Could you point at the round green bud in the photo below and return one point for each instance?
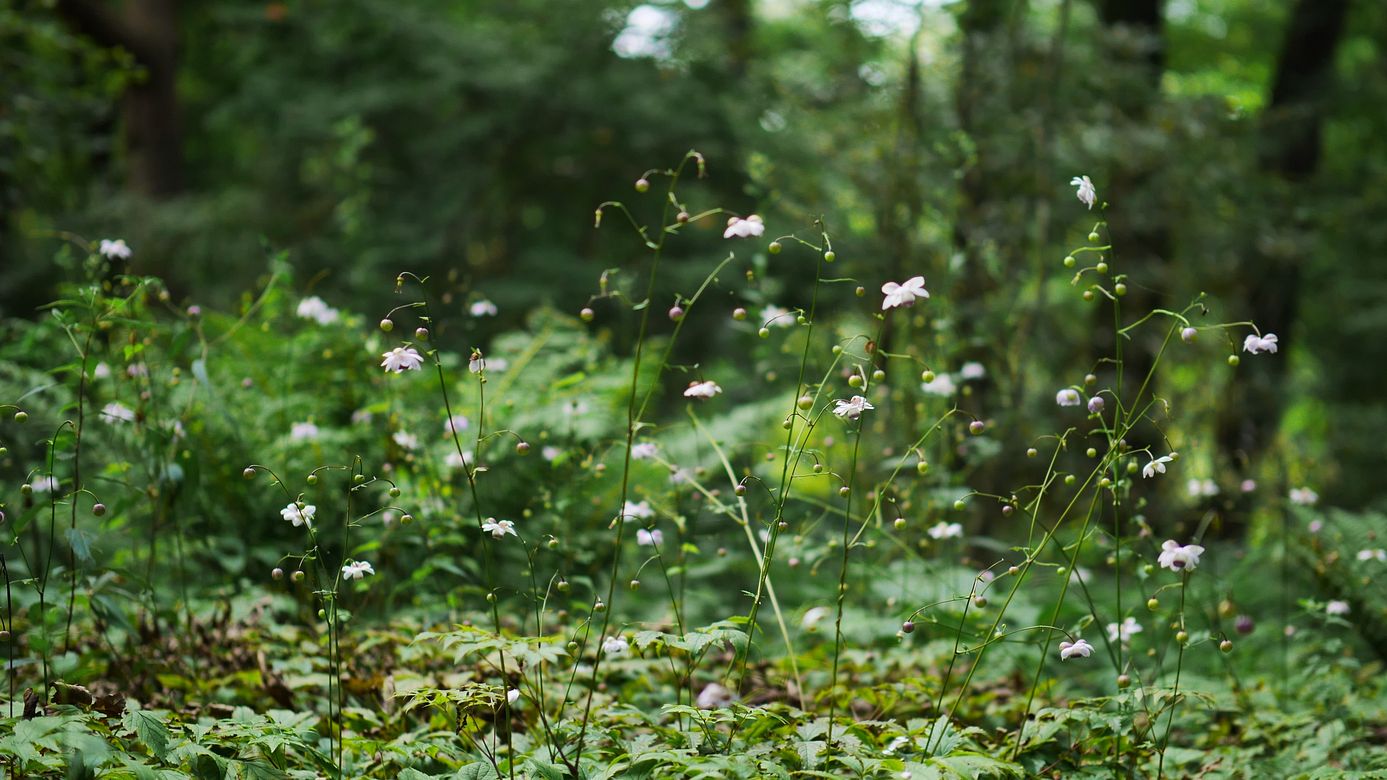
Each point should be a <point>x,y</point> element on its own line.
<point>960,505</point>
<point>860,291</point>
<point>878,375</point>
<point>249,473</point>
<point>522,448</point>
<point>830,256</point>
<point>562,586</point>
<point>387,324</point>
<point>1101,267</point>
<point>394,492</point>
<point>926,376</point>
<point>311,479</point>
<point>1226,646</point>
<point>855,380</point>
<point>1234,360</point>
<point>1119,289</point>
<point>572,648</point>
<point>1069,261</point>
<point>21,417</point>
<point>899,524</point>
<point>739,314</point>
<point>1153,604</point>
<point>1069,479</point>
<point>1182,637</point>
<point>1123,681</point>
<point>635,584</point>
<point>587,314</point>
<point>642,185</point>
<point>806,402</point>
<point>1088,295</point>
<point>764,333</point>
<point>922,467</point>
<point>774,248</point>
<point>1093,237</point>
<point>1031,452</point>
<point>1091,452</point>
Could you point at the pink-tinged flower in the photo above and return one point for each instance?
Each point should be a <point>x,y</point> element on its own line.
<point>1068,397</point>
<point>852,408</point>
<point>1248,485</point>
<point>316,309</point>
<point>499,528</point>
<point>1095,404</point>
<point>705,389</point>
<point>640,510</point>
<point>115,412</point>
<point>751,227</point>
<point>356,570</point>
<point>299,514</point>
<point>1079,647</point>
<point>1202,488</point>
<point>1336,608</point>
<point>903,294</point>
<point>649,538</point>
<point>972,370</point>
<point>1256,344</point>
<point>1124,631</point>
<point>1316,526</point>
<point>942,385</point>
<point>943,530</point>
<point>483,308</point>
<point>775,317</point>
<point>303,431</point>
<point>1304,496</point>
<point>644,450</point>
<point>1178,557</point>
<point>455,424</point>
<point>114,250</point>
<point>401,359</point>
<point>406,441</point>
<point>1086,193</point>
<point>1367,555</point>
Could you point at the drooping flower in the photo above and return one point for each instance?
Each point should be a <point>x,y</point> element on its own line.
<point>813,617</point>
<point>499,528</point>
<point>115,412</point>
<point>1095,404</point>
<point>942,385</point>
<point>1124,631</point>
<point>639,510</point>
<point>1202,488</point>
<point>644,450</point>
<point>455,461</point>
<point>114,249</point>
<point>401,359</point>
<point>704,389</point>
<point>299,515</point>
<point>852,408</point>
<point>1367,555</point>
<point>1086,193</point>
<point>651,538</point>
<point>751,227</point>
<point>1157,465</point>
<point>903,294</point>
<point>943,530</point>
<point>102,371</point>
<point>137,370</point>
<point>713,696</point>
<point>356,570</point>
<point>512,696</point>
<point>971,370</point>
<point>776,317</point>
<point>405,440</point>
<point>1079,647</point>
<point>316,309</point>
<point>1256,344</point>
<point>46,484</point>
<point>1178,557</point>
<point>1068,397</point>
<point>303,431</point>
<point>1336,607</point>
<point>1316,526</point>
<point>483,308</point>
<point>476,364</point>
<point>455,424</point>
<point>1304,496</point>
<point>550,452</point>
<point>615,645</point>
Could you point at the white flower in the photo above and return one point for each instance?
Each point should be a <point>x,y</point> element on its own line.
<point>1068,397</point>
<point>477,363</point>
<point>303,431</point>
<point>943,530</point>
<point>644,451</point>
<point>316,309</point>
<point>112,250</point>
<point>640,510</point>
<point>361,416</point>
<point>775,317</point>
<point>751,227</point>
<point>114,412</point>
<point>1078,647</point>
<point>299,515</point>
<point>1316,525</point>
<point>550,452</point>
<point>45,484</point>
<point>705,389</point>
<point>1086,195</point>
<point>1304,496</point>
<point>102,371</point>
<point>357,569</point>
<point>1248,485</point>
<point>499,528</point>
<point>852,408</point>
<point>136,370</point>
<point>1178,557</point>
<point>680,475</point>
<point>1255,344</point>
<point>615,645</point>
<point>713,696</point>
<point>1368,555</point>
<point>903,294</point>
<point>1123,632</point>
<point>651,538</point>
<point>1336,608</point>
<point>401,359</point>
<point>497,365</point>
<point>407,441</point>
<point>1202,488</point>
<point>512,695</point>
<point>814,617</point>
<point>942,384</point>
<point>575,408</point>
<point>972,370</point>
<point>483,308</point>
<point>456,461</point>
<point>455,424</point>
<point>1157,465</point>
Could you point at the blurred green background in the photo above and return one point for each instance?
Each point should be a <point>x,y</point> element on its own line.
<point>1242,145</point>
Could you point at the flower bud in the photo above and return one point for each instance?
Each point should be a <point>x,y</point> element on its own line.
<point>676,313</point>
<point>739,314</point>
<point>764,333</point>
<point>1094,237</point>
<point>908,627</point>
<point>960,505</point>
<point>421,334</point>
<point>740,489</point>
<point>1031,452</point>
<point>844,491</point>
<point>1182,637</point>
<point>922,468</point>
<point>562,586</point>
<point>394,492</point>
<point>1069,261</point>
<point>682,217</point>
<point>98,509</point>
<point>406,519</point>
<point>387,325</point>
<point>1123,681</point>
<point>587,314</point>
<point>1234,360</point>
<point>297,576</point>
<point>312,479</point>
<point>829,256</point>
<point>642,184</point>
<point>1088,295</point>
<point>1152,604</point>
<point>926,376</point>
<point>1189,335</point>
<point>1096,404</point>
<point>1243,624</point>
<point>1091,452</point>
<point>774,248</point>
<point>855,381</point>
<point>806,402</point>
<point>277,573</point>
<point>635,584</point>
<point>522,448</point>
<point>860,291</point>
<point>976,427</point>
<point>1226,646</point>
<point>21,417</point>
<point>1119,289</point>
<point>878,375</point>
<point>899,524</point>
<point>1101,268</point>
<point>249,473</point>
<point>980,601</point>
<point>1013,570</point>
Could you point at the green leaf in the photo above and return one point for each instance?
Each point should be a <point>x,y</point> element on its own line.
<point>150,729</point>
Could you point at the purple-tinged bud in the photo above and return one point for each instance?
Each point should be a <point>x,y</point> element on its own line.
<point>1095,404</point>
<point>1189,335</point>
<point>1243,624</point>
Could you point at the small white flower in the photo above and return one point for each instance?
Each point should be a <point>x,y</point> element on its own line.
<point>455,424</point>
<point>1157,465</point>
<point>115,412</point>
<point>705,389</point>
<point>117,249</point>
<point>407,441</point>
<point>456,461</point>
<point>903,294</point>
<point>476,364</point>
<point>1123,632</point>
<point>942,385</point>
<point>813,617</point>
<point>45,484</point>
<point>1178,557</point>
<point>1256,344</point>
<point>357,569</point>
<point>299,515</point>
<point>361,416</point>
<point>303,431</point>
<point>775,317</point>
<point>972,370</point>
<point>751,227</point>
<point>1336,608</point>
<point>1068,397</point>
<point>550,452</point>
<point>1248,485</point>
<point>1202,488</point>
<point>401,359</point>
<point>137,370</point>
<point>1316,526</point>
<point>1368,555</point>
<point>644,450</point>
<point>499,528</point>
<point>1304,496</point>
<point>640,510</point>
<point>652,538</point>
<point>483,308</point>
<point>615,645</point>
<point>102,371</point>
<point>713,696</point>
<point>852,408</point>
<point>512,695</point>
<point>497,365</point>
<point>1086,194</point>
<point>1078,647</point>
<point>943,530</point>
<point>681,475</point>
<point>316,309</point>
